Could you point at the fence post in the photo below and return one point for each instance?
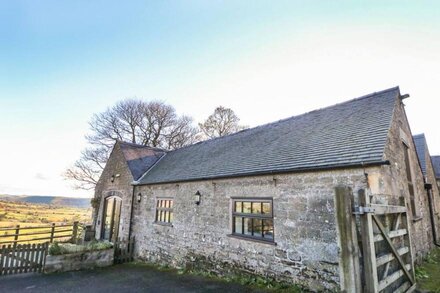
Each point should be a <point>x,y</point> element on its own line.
<point>368,246</point>
<point>75,231</point>
<point>348,242</point>
<point>52,232</point>
<point>17,231</point>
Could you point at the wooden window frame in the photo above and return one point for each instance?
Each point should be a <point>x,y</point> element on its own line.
<point>113,230</point>
<point>252,216</point>
<point>165,207</point>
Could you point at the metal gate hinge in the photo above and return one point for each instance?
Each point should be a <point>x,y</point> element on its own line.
<point>363,210</point>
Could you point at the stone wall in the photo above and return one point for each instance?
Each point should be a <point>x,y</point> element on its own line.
<point>306,242</point>
<point>390,182</point>
<point>78,261</point>
<point>121,186</point>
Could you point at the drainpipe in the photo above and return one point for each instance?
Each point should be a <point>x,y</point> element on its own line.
<point>131,213</point>
<point>428,188</point>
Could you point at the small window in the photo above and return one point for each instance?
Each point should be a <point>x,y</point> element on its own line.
<point>253,218</point>
<point>410,181</point>
<point>164,210</point>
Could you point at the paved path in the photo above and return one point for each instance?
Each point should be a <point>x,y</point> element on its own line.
<point>118,278</point>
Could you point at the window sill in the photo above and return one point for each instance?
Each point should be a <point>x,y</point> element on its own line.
<point>252,239</point>
<point>163,224</point>
<point>416,219</point>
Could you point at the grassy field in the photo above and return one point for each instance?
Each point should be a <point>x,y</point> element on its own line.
<point>39,215</point>
<point>27,214</point>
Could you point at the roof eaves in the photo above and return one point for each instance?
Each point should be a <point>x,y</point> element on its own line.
<point>261,173</point>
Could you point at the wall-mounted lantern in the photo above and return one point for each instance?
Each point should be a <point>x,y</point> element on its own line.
<point>139,196</point>
<point>197,197</point>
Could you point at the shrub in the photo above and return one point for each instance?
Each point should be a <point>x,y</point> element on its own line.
<point>57,249</point>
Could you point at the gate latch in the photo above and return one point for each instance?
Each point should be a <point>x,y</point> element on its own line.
<point>360,210</point>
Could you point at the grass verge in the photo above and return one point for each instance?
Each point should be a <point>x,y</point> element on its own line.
<point>428,273</point>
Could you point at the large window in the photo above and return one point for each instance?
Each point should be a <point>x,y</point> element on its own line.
<point>112,215</point>
<point>164,210</point>
<point>253,218</point>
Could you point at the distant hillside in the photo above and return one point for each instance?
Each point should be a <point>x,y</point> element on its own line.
<point>53,200</point>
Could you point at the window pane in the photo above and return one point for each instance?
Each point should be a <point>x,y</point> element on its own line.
<point>257,227</point>
<point>268,229</point>
<point>238,225</point>
<point>247,226</point>
<point>171,204</point>
<point>247,207</point>
<point>238,206</point>
<point>171,217</point>
<point>266,208</point>
<point>256,207</point>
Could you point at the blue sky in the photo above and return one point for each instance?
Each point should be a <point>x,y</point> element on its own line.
<point>60,62</point>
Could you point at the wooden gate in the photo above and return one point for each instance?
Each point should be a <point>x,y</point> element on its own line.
<point>22,258</point>
<point>123,250</point>
<point>387,256</point>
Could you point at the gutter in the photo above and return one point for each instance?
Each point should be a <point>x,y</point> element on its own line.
<point>428,188</point>
<point>292,170</point>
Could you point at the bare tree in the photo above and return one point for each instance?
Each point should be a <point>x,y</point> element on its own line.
<point>222,122</point>
<point>145,123</point>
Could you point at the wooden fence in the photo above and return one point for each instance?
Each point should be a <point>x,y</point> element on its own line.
<point>22,258</point>
<point>39,234</point>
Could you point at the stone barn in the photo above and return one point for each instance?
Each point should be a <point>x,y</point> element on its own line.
<point>281,200</point>
<point>436,166</point>
<point>430,179</point>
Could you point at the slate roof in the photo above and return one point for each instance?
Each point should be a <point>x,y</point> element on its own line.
<point>140,158</point>
<point>346,134</point>
<point>421,146</point>
<point>436,165</point>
